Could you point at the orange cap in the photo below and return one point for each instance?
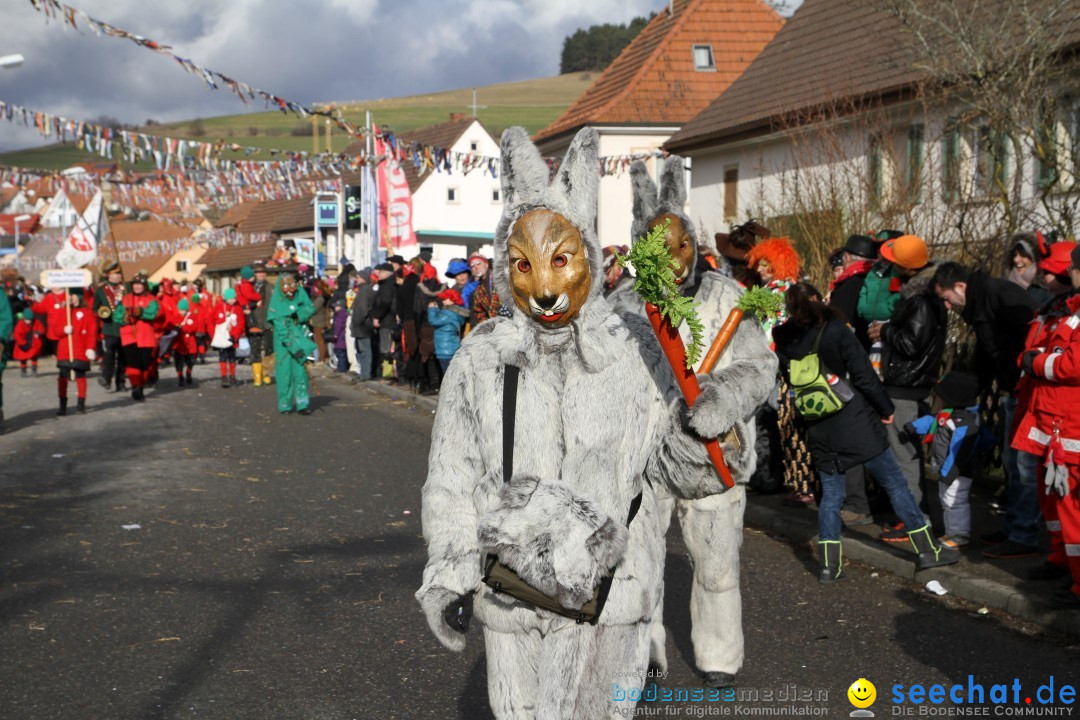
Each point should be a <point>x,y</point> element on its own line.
<point>1059,260</point>
<point>906,251</point>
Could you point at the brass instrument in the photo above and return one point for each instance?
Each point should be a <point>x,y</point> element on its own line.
<point>105,311</point>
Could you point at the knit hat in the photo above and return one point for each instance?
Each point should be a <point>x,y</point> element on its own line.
<point>229,294</point>
<point>451,294</point>
<point>182,306</point>
<point>457,266</point>
<point>246,272</point>
<point>781,256</point>
<point>1060,258</point>
<point>907,251</point>
<point>196,298</point>
<point>958,390</point>
<point>27,314</point>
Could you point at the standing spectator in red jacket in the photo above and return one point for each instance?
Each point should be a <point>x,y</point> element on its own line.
<point>76,351</point>
<point>53,307</point>
<point>137,314</point>
<point>186,346</point>
<point>27,339</point>
<point>228,324</point>
<point>1051,427</point>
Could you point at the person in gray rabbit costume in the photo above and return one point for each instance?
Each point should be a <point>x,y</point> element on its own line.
<point>598,422</point>
<point>746,372</point>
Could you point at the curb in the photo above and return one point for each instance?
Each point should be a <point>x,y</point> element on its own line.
<point>378,386</point>
<point>959,581</point>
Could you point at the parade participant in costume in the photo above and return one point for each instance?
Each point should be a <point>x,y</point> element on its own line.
<point>76,351</point>
<point>228,324</point>
<point>1051,427</point>
<point>259,334</point>
<point>712,526</point>
<point>136,314</point>
<point>777,263</point>
<point>27,341</point>
<point>186,347</point>
<point>733,248</point>
<point>107,296</point>
<point>596,430</point>
<point>618,282</point>
<point>290,308</point>
<point>7,326</point>
<point>54,308</point>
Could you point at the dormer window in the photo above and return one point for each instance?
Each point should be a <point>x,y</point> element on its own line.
<point>703,58</point>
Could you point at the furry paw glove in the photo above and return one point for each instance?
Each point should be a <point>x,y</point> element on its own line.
<point>716,409</point>
<point>556,541</point>
<point>440,608</point>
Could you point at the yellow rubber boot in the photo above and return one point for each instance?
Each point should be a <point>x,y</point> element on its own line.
<point>256,370</point>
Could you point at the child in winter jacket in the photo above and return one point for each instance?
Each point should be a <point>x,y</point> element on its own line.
<point>27,339</point>
<point>341,324</point>
<point>186,345</point>
<point>75,351</point>
<point>447,324</point>
<point>954,438</point>
<point>228,323</point>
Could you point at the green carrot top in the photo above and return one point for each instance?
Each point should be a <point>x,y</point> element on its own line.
<point>761,303</point>
<point>654,282</point>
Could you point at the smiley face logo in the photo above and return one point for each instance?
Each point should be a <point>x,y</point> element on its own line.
<point>862,693</point>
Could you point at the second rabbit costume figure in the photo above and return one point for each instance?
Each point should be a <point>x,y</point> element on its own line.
<point>585,403</point>
<point>745,374</point>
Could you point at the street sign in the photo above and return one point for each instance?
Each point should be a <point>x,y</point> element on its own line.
<point>353,207</point>
<point>327,213</point>
<point>66,278</point>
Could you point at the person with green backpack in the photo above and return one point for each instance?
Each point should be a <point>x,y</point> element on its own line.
<point>846,409</point>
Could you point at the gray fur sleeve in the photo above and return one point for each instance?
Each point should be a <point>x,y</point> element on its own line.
<point>448,513</point>
<point>735,392</point>
<point>674,466</point>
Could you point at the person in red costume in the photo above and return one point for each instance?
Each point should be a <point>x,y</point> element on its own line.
<point>53,307</point>
<point>75,351</point>
<point>137,315</point>
<point>27,339</point>
<point>228,328</point>
<point>1049,425</point>
<point>186,345</point>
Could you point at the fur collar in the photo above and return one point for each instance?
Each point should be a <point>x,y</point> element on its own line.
<point>920,283</point>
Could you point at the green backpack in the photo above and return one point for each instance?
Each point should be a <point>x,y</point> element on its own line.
<point>817,394</point>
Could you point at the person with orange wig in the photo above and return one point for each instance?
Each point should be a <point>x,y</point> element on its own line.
<point>776,261</point>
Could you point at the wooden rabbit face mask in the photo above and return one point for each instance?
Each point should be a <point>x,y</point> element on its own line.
<point>549,268</point>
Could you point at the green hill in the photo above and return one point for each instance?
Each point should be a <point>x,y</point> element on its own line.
<point>531,103</point>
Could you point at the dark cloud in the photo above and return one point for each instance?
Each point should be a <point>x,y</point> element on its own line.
<point>307,51</point>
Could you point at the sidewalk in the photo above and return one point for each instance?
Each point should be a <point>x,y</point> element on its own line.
<point>998,585</point>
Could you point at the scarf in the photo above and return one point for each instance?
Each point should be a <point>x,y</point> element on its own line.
<point>1024,277</point>
<point>857,268</point>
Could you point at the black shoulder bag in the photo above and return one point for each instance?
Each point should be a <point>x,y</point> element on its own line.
<point>502,579</point>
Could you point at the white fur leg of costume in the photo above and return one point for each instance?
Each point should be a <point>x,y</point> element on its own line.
<point>566,674</point>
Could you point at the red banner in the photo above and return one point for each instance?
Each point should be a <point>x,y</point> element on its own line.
<point>395,201</point>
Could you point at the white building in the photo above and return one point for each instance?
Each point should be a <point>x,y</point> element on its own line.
<point>688,54</point>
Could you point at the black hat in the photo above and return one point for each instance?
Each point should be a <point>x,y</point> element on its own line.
<point>836,258</point>
<point>396,259</point>
<point>425,256</point>
<point>1076,257</point>
<point>385,266</point>
<point>110,267</point>
<point>958,390</point>
<point>258,266</point>
<point>861,245</point>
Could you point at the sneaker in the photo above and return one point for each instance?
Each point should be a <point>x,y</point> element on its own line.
<point>1065,600</point>
<point>1047,571</point>
<point>994,538</point>
<point>1010,550</point>
<point>897,533</point>
<point>955,541</point>
<point>855,519</point>
<point>305,411</point>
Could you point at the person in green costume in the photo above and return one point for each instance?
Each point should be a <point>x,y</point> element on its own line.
<point>7,325</point>
<point>290,308</point>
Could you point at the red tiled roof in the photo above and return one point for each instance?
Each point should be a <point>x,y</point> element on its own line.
<point>235,214</point>
<point>141,231</point>
<point>149,264</point>
<point>7,224</point>
<point>829,52</point>
<point>234,257</point>
<point>7,194</point>
<point>279,216</point>
<point>654,79</point>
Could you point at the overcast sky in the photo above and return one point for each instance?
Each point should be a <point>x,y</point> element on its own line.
<point>308,51</point>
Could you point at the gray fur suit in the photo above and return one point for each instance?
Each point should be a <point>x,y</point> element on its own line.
<point>712,526</point>
<point>597,422</point>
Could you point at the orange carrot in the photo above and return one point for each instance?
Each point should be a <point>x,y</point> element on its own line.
<point>727,331</point>
<point>675,351</point>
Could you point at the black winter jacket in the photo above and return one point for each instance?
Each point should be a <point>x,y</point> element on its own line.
<point>385,303</point>
<point>914,339</point>
<point>845,300</point>
<point>999,312</point>
<point>856,433</point>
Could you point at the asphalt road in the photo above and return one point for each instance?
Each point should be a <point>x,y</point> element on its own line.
<point>201,556</point>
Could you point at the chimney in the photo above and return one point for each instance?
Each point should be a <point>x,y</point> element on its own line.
<point>456,116</point>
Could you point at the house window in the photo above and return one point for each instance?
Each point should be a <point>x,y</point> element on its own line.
<point>1046,154</point>
<point>875,166</point>
<point>731,192</point>
<point>496,196</point>
<point>473,146</point>
<point>182,266</point>
<point>703,58</point>
<point>989,152</point>
<point>452,196</point>
<point>951,159</point>
<point>915,152</point>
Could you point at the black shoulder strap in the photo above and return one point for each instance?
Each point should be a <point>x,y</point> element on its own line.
<point>510,386</point>
<point>817,340</point>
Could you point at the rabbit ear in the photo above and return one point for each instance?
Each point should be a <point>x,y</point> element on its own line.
<point>673,185</point>
<point>524,174</point>
<point>574,192</point>
<point>644,193</point>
